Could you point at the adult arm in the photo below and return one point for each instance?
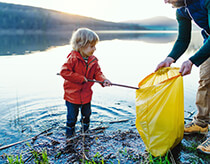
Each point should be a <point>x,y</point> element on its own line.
<point>183,39</point>
<point>181,44</point>
<point>204,52</point>
<point>201,55</point>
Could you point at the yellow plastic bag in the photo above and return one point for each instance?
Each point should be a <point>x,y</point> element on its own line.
<point>160,110</point>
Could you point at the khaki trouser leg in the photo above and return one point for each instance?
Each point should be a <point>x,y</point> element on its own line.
<point>203,95</point>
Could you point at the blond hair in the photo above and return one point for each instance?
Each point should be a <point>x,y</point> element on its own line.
<point>81,37</point>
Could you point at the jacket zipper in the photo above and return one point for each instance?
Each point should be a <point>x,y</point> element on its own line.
<point>87,65</point>
<point>82,87</point>
<point>85,75</point>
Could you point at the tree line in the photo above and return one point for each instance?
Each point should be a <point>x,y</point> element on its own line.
<point>33,18</point>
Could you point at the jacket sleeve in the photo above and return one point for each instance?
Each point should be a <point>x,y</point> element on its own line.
<point>67,72</point>
<point>99,76</point>
<point>204,52</point>
<point>184,37</point>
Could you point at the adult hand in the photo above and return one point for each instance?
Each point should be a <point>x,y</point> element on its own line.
<point>106,83</point>
<point>165,63</point>
<point>186,68</point>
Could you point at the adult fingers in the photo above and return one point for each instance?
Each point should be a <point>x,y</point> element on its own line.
<point>186,68</point>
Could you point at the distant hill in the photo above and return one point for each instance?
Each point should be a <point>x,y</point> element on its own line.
<point>24,19</point>
<point>157,23</point>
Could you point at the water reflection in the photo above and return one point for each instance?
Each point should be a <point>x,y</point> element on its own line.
<point>24,44</point>
<point>146,36</point>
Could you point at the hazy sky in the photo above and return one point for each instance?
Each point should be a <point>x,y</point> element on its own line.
<point>110,10</point>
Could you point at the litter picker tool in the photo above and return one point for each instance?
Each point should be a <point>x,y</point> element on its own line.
<point>119,85</point>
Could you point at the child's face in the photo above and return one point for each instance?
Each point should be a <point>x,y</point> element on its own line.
<point>88,50</point>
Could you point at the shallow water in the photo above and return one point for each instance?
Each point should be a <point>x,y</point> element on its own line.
<point>31,94</point>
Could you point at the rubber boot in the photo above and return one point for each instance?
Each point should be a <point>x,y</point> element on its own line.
<point>85,127</point>
<point>70,131</point>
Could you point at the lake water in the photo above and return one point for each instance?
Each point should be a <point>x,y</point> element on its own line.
<point>31,94</point>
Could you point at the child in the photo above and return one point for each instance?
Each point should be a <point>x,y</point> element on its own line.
<point>80,66</point>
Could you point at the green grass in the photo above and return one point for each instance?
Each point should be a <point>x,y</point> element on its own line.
<point>39,158</point>
<point>123,156</point>
<point>14,160</point>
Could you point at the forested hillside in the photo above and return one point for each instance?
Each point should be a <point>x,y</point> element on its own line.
<point>18,17</point>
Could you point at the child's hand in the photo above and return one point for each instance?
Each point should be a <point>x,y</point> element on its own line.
<point>106,83</point>
<point>85,80</point>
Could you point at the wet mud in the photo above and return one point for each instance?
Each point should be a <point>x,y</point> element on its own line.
<point>102,145</point>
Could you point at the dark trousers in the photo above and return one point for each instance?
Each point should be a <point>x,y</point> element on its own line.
<point>73,111</point>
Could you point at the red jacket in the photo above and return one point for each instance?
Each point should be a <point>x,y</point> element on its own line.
<point>76,90</point>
